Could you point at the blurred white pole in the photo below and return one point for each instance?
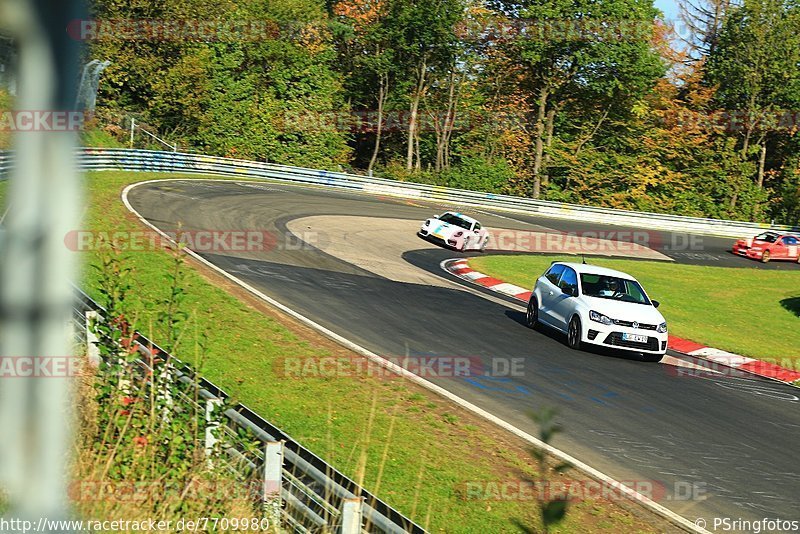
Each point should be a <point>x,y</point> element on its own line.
<point>35,266</point>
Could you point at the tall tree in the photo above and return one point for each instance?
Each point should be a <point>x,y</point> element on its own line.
<point>702,21</point>
<point>368,49</point>
<point>581,47</point>
<point>427,43</point>
<point>756,66</point>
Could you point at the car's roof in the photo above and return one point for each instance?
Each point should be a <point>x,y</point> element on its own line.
<point>779,234</point>
<point>586,268</point>
<point>462,216</point>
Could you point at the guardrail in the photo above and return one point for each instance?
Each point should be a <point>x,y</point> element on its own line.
<point>296,487</point>
<point>156,161</point>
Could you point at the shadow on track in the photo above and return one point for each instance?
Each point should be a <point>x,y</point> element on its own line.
<point>519,318</point>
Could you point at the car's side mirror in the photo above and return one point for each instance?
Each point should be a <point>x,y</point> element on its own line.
<point>656,304</point>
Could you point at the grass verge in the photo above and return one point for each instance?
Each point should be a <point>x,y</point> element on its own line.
<point>410,447</point>
<point>711,305</point>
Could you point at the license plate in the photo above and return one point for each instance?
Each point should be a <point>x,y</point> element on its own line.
<point>634,337</point>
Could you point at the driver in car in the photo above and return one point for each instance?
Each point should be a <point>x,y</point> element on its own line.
<point>611,288</point>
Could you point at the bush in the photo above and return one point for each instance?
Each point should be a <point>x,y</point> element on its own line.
<point>472,173</point>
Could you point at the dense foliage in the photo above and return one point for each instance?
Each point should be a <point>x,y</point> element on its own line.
<point>574,100</point>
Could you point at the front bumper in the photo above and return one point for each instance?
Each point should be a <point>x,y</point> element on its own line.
<point>755,254</point>
<point>451,242</point>
<point>740,250</point>
<point>611,336</point>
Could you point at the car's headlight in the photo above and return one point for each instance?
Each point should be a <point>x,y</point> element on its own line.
<point>662,328</point>
<point>426,223</point>
<point>600,318</point>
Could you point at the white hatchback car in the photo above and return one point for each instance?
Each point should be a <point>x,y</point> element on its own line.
<point>597,306</point>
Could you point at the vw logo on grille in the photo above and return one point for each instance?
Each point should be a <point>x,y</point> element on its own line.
<point>635,324</point>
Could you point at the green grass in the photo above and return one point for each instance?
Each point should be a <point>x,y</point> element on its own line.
<point>434,448</point>
<point>753,312</point>
<point>97,138</point>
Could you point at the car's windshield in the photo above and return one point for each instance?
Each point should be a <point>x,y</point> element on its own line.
<point>613,288</point>
<point>768,237</point>
<point>455,220</point>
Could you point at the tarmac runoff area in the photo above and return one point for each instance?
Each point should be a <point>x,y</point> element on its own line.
<point>377,244</point>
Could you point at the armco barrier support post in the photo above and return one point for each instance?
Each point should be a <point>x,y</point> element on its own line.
<point>351,515</point>
<point>212,426</point>
<point>166,379</point>
<point>273,475</point>
<point>92,352</point>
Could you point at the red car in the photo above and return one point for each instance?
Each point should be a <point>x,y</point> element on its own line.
<point>769,246</point>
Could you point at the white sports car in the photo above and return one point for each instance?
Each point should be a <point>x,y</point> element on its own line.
<point>455,230</point>
<point>598,306</point>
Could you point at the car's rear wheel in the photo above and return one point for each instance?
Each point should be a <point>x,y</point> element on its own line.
<point>574,333</point>
<point>532,314</point>
<point>765,257</point>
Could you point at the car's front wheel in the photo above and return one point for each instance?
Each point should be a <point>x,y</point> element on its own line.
<point>574,333</point>
<point>765,257</point>
<point>532,314</point>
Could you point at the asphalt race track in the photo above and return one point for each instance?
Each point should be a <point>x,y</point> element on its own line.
<point>735,439</point>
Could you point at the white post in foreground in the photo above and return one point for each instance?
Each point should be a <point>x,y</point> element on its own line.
<point>351,515</point>
<point>212,427</point>
<point>272,483</point>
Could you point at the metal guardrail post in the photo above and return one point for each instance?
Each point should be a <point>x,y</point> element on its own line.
<point>213,414</point>
<point>92,352</point>
<point>351,515</point>
<point>272,482</point>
